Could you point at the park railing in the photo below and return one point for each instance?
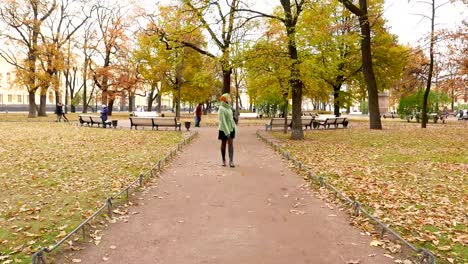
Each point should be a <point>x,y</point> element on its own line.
<point>426,257</point>
<point>39,256</point>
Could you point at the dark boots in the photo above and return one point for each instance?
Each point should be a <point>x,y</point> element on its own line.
<point>231,156</point>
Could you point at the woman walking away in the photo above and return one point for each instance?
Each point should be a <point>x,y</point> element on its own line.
<point>227,128</point>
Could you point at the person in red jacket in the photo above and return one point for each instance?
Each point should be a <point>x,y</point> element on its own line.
<point>198,113</point>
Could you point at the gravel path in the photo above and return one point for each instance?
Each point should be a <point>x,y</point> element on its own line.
<point>258,212</point>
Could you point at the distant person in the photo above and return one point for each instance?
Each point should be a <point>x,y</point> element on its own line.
<point>227,128</point>
<point>104,113</point>
<point>198,114</point>
<point>59,112</point>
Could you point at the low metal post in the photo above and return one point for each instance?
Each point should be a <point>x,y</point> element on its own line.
<point>109,206</point>
<point>322,181</point>
<point>140,180</point>
<point>83,232</point>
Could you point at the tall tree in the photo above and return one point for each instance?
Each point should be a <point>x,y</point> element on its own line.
<point>24,20</point>
<point>222,22</point>
<point>289,16</point>
<point>59,28</point>
<point>113,21</point>
<point>367,65</point>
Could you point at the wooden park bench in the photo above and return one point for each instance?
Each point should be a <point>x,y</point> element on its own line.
<point>141,122</point>
<point>154,122</point>
<point>90,120</point>
<point>389,115</point>
<point>343,121</point>
<point>325,122</point>
<point>277,122</point>
<point>166,122</point>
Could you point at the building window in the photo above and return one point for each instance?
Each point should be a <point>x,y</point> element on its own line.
<point>10,98</point>
<point>19,97</point>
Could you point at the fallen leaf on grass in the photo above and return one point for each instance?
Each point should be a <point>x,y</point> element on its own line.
<point>353,261</point>
<point>76,260</point>
<point>444,248</point>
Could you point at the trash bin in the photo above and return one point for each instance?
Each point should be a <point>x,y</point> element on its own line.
<point>187,125</point>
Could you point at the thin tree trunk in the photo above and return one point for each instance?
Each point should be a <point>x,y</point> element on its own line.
<point>431,70</point>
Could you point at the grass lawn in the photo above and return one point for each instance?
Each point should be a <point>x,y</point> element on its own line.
<point>54,175</point>
<point>415,180</point>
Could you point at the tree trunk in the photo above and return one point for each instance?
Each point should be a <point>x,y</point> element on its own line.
<point>285,115</point>
<point>85,86</point>
<point>42,105</point>
<point>374,112</point>
<point>110,105</point>
<point>431,69</point>
<point>131,102</point>
<point>104,97</point>
<point>227,80</point>
<point>32,104</point>
<point>158,106</point>
<point>297,132</point>
<point>336,99</point>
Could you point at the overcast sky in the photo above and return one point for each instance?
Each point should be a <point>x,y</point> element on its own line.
<point>410,27</point>
<point>403,21</point>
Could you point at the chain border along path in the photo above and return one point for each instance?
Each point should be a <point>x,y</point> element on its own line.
<point>426,257</point>
<point>39,256</point>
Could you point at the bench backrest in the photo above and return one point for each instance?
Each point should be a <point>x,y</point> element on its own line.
<point>248,115</point>
<point>85,118</point>
<point>141,121</point>
<point>330,120</point>
<point>340,120</point>
<point>279,121</point>
<point>165,121</point>
<point>96,119</point>
<point>323,117</point>
<point>306,120</point>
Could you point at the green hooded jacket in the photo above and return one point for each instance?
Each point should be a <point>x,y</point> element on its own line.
<point>226,119</point>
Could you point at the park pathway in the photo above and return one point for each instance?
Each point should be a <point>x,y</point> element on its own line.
<point>258,212</point>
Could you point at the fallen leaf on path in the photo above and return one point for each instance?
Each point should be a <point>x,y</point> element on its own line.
<point>377,243</point>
